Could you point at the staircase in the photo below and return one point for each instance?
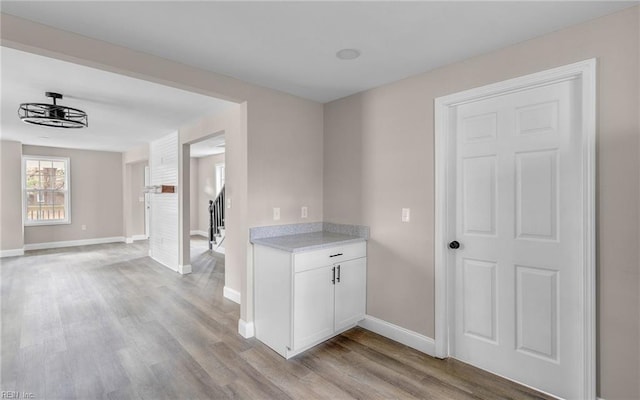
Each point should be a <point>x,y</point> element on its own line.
<point>216,223</point>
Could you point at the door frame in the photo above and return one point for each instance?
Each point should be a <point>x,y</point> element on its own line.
<point>445,169</point>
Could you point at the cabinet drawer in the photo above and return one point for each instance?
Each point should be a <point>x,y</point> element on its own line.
<point>331,255</point>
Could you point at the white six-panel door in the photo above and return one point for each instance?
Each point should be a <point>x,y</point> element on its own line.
<point>518,278</point>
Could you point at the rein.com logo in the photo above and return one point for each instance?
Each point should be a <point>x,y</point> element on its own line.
<point>5,394</point>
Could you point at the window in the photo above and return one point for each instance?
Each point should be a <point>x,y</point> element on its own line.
<point>45,190</point>
<point>219,177</point>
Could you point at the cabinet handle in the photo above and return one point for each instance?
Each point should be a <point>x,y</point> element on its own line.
<point>335,255</point>
<point>338,274</point>
<point>333,280</point>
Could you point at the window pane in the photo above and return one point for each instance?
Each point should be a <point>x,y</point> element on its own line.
<point>59,166</point>
<point>58,198</point>
<point>33,207</point>
<point>33,181</point>
<point>58,205</point>
<point>33,167</point>
<point>47,212</point>
<point>48,178</point>
<point>32,198</point>
<point>59,182</point>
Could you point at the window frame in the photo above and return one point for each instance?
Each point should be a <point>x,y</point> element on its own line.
<point>66,191</point>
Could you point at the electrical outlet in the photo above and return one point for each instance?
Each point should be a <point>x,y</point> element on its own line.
<point>84,227</point>
<point>228,202</point>
<point>304,212</point>
<point>406,214</point>
<point>276,213</point>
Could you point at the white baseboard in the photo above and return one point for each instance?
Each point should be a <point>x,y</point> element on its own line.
<point>246,329</point>
<point>11,253</point>
<point>199,233</point>
<point>184,269</point>
<point>412,339</point>
<point>164,264</point>
<point>135,238</point>
<point>72,243</point>
<point>231,294</point>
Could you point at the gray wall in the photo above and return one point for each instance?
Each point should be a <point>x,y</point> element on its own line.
<point>136,194</point>
<point>193,194</point>
<point>207,187</point>
<point>11,237</point>
<point>379,157</point>
<point>203,187</point>
<point>96,196</point>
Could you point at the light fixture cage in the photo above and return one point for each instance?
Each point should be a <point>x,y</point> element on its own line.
<point>52,115</point>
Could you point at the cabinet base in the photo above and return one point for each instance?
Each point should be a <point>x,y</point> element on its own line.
<point>291,353</point>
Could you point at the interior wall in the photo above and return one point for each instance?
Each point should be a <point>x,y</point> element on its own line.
<point>96,185</point>
<point>379,158</point>
<point>194,189</point>
<point>287,124</point>
<point>207,187</point>
<point>11,236</point>
<point>232,123</point>
<point>164,236</point>
<point>285,162</point>
<point>130,158</point>
<point>137,199</point>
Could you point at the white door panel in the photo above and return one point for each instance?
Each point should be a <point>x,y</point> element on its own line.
<point>517,284</point>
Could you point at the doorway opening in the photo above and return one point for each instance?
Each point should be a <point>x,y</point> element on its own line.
<point>207,198</point>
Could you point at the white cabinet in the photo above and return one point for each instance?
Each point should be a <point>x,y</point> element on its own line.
<point>302,299</point>
<point>350,293</point>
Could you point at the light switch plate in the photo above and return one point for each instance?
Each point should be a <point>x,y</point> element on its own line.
<point>406,214</point>
<point>304,212</point>
<point>276,213</point>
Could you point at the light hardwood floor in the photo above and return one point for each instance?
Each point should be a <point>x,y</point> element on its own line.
<point>107,322</point>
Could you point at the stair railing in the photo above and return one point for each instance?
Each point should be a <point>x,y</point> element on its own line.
<point>216,216</point>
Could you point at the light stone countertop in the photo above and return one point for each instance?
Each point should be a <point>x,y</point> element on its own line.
<point>307,241</point>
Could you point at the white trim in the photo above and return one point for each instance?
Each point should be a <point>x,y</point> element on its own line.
<point>73,243</point>
<point>231,294</point>
<point>128,240</point>
<point>246,329</point>
<point>11,253</point>
<point>399,334</point>
<point>139,237</point>
<point>184,269</point>
<point>174,269</point>
<point>199,233</point>
<point>585,71</point>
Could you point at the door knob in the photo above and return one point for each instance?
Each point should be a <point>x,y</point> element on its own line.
<point>454,245</point>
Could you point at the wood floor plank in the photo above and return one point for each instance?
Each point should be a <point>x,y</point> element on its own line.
<point>108,322</point>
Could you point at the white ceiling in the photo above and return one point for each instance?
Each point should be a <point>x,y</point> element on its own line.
<point>123,112</point>
<point>291,46</point>
<point>208,147</point>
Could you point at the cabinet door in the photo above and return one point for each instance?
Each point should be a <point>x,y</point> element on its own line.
<point>351,293</point>
<point>312,306</point>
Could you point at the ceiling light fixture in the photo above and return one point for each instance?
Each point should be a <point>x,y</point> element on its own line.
<point>348,54</point>
<point>52,115</point>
